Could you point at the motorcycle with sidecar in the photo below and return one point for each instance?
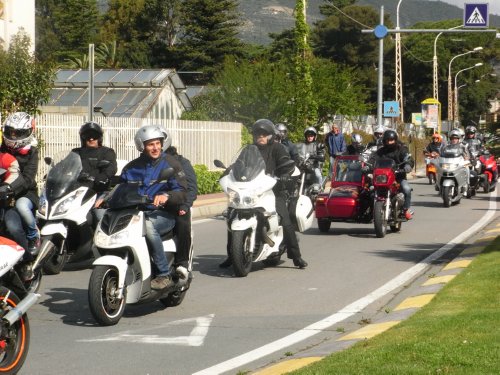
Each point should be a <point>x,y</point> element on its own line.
<point>349,198</point>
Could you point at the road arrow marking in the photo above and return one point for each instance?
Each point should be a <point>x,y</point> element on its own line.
<point>195,338</point>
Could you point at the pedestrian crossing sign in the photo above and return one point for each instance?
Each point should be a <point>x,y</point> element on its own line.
<point>476,15</point>
<point>391,109</point>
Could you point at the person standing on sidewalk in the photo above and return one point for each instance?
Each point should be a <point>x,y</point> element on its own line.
<point>335,144</point>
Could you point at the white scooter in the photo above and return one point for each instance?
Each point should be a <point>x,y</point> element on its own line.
<point>122,273</point>
<point>252,220</point>
<point>64,213</point>
<point>15,301</point>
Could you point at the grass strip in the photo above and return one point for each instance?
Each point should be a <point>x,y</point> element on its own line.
<point>458,332</point>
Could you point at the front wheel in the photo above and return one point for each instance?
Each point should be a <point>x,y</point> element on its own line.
<point>241,253</point>
<point>105,305</point>
<point>432,178</point>
<point>486,185</point>
<point>379,220</point>
<point>15,339</point>
<point>446,193</point>
<point>56,262</point>
<point>174,299</point>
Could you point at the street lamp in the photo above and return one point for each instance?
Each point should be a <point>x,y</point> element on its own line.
<point>435,66</point>
<point>456,89</point>
<point>450,89</point>
<point>484,75</point>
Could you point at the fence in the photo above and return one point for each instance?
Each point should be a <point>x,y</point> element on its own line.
<point>199,141</point>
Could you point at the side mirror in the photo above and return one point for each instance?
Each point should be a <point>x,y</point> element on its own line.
<point>219,164</point>
<point>2,171</point>
<point>47,160</point>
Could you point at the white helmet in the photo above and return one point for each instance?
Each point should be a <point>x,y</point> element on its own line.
<point>149,132</point>
<point>378,130</point>
<point>18,130</point>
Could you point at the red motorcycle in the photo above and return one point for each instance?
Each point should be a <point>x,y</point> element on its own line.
<point>349,198</point>
<point>389,200</point>
<point>489,171</point>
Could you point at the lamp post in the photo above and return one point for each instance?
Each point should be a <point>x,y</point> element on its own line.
<point>450,89</point>
<point>455,117</point>
<point>435,90</point>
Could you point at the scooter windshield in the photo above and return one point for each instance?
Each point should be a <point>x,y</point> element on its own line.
<point>451,151</point>
<point>63,175</point>
<point>248,165</point>
<point>125,195</point>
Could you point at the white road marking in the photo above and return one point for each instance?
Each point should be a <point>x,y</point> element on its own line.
<point>195,338</point>
<point>354,307</point>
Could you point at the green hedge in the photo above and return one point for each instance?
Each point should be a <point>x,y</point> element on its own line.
<point>208,181</point>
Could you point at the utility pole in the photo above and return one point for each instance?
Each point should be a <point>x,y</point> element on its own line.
<point>399,74</point>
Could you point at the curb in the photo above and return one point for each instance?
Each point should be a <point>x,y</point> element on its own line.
<point>429,284</point>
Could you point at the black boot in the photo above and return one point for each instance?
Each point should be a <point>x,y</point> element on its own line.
<point>299,262</point>
<point>227,263</point>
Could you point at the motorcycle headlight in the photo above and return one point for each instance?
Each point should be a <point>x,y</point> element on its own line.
<point>101,239</point>
<point>449,166</point>
<point>42,205</point>
<point>381,179</point>
<point>64,205</point>
<point>244,201</point>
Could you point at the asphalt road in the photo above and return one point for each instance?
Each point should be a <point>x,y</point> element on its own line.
<point>228,324</point>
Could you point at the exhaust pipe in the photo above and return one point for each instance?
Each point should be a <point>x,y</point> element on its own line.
<point>22,307</point>
<point>266,238</point>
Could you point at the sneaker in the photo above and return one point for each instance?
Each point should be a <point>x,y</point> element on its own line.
<point>227,263</point>
<point>34,245</point>
<point>26,272</point>
<point>182,272</point>
<point>408,215</point>
<point>299,262</point>
<point>161,282</point>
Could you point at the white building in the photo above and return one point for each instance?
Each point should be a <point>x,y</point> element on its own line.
<point>16,15</point>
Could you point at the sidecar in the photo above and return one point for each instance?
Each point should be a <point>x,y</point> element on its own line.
<point>348,199</point>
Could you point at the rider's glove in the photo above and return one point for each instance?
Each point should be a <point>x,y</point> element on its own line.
<point>407,168</point>
<point>85,177</point>
<point>284,179</point>
<point>5,189</point>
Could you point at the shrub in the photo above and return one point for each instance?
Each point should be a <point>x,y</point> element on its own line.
<point>208,181</point>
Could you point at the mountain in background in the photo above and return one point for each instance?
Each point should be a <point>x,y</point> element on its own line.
<point>262,17</point>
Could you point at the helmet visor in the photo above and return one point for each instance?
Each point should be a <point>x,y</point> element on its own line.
<point>11,133</point>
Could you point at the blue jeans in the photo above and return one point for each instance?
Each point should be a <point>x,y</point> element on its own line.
<point>406,189</point>
<point>158,222</point>
<point>15,228</point>
<point>24,207</point>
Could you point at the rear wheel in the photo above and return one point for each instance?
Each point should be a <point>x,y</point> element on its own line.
<point>56,262</point>
<point>396,221</point>
<point>105,305</point>
<point>15,339</point>
<point>174,299</point>
<point>432,178</point>
<point>379,220</point>
<point>324,225</point>
<point>446,193</point>
<point>241,253</point>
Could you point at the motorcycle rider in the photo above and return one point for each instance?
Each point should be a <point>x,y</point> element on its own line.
<point>455,143</point>
<point>183,217</point>
<point>19,141</point>
<point>356,146</point>
<point>91,153</point>
<point>397,151</point>
<point>433,148</point>
<point>377,137</point>
<point>282,137</point>
<point>165,196</point>
<point>279,164</point>
<point>315,150</point>
<point>471,141</point>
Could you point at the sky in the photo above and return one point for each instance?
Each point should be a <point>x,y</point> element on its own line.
<point>494,5</point>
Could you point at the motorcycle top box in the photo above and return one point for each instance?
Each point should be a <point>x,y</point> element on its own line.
<point>342,202</point>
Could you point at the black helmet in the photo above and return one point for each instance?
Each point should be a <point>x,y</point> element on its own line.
<point>389,135</point>
<point>91,130</point>
<point>263,126</point>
